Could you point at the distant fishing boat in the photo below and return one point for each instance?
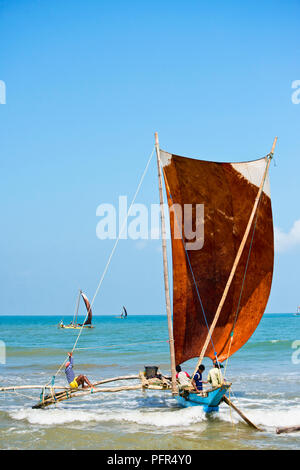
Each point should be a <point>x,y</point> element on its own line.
<point>123,314</point>
<point>297,314</point>
<point>74,325</point>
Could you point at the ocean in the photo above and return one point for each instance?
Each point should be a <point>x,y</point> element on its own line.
<point>264,373</point>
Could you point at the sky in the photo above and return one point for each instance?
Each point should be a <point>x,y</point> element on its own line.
<point>87,83</point>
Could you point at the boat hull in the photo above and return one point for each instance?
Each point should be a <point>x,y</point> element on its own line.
<point>210,400</point>
<point>68,327</point>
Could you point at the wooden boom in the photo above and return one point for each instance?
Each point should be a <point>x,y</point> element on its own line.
<point>61,396</point>
<point>59,387</point>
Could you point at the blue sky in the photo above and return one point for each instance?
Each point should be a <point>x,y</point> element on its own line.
<point>87,84</point>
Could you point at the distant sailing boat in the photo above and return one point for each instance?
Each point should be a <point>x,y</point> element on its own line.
<point>123,314</point>
<point>74,324</point>
<point>297,314</point>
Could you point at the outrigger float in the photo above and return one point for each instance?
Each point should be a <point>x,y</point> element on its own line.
<point>222,272</point>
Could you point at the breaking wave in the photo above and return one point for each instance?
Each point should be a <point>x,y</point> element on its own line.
<point>268,419</point>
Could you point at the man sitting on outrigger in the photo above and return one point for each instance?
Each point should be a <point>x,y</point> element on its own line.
<point>74,382</point>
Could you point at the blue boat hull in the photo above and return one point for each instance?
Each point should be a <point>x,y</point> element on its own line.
<point>210,401</point>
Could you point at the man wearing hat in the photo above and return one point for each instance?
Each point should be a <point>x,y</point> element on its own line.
<point>215,375</point>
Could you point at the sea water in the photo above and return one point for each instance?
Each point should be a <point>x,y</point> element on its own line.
<point>264,373</point>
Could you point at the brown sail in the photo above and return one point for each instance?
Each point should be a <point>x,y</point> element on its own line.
<point>88,309</point>
<point>228,192</point>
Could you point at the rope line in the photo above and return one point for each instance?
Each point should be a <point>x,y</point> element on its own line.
<point>241,293</point>
<point>113,345</point>
<point>128,344</point>
<point>23,395</point>
<point>116,242</point>
<point>245,272</point>
<point>111,255</point>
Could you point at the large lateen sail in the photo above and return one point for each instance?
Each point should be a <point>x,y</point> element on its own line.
<point>88,309</point>
<point>227,192</point>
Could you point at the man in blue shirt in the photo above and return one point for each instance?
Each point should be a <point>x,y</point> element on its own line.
<point>74,382</point>
<point>197,379</point>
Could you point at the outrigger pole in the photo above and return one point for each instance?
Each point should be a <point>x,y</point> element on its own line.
<point>239,412</point>
<point>237,258</point>
<point>69,393</point>
<point>166,274</point>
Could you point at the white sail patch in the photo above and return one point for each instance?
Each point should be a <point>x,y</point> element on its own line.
<point>254,173</point>
<point>165,158</point>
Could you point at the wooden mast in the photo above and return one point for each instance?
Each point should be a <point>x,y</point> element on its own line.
<point>166,275</point>
<point>237,259</point>
<point>77,308</point>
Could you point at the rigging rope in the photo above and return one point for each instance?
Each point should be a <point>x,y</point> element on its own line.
<point>128,344</point>
<point>245,273</point>
<point>111,255</point>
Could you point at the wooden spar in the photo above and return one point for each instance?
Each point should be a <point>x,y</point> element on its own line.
<point>237,259</point>
<point>287,429</point>
<point>77,308</point>
<point>115,379</point>
<point>239,412</point>
<point>30,387</point>
<point>61,396</point>
<point>166,274</point>
<point>116,389</point>
<point>57,387</point>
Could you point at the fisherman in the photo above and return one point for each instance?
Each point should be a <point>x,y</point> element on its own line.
<point>74,382</point>
<point>183,378</point>
<point>215,375</point>
<point>197,379</point>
